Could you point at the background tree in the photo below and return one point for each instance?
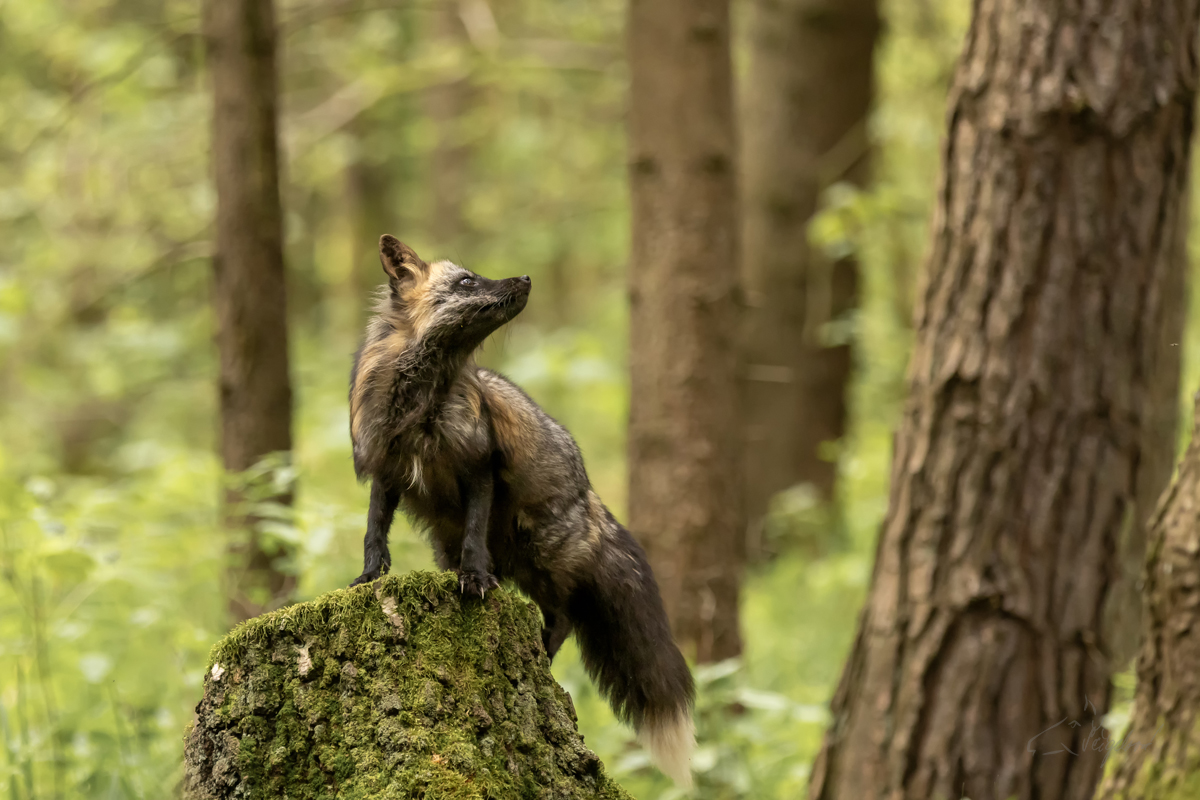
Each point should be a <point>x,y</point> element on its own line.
<point>447,107</point>
<point>806,98</point>
<point>685,493</point>
<point>371,208</point>
<point>249,290</point>
<point>1040,413</point>
<point>1150,763</point>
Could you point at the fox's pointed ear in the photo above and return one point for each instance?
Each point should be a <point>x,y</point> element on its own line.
<point>399,260</point>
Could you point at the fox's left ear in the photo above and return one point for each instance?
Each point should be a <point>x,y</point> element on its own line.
<point>399,261</point>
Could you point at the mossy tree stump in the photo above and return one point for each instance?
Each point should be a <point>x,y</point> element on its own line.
<point>395,690</point>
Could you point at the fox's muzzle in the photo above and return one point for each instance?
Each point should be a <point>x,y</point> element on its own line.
<point>516,294</point>
<point>501,301</point>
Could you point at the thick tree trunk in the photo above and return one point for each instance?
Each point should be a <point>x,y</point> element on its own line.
<point>807,96</point>
<point>393,690</point>
<point>251,311</point>
<point>1042,397</point>
<point>685,485</point>
<point>1157,758</point>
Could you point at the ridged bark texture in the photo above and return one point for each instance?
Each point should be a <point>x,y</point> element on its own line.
<point>249,289</point>
<point>1041,408</point>
<point>685,485</point>
<point>806,98</point>
<point>1159,757</point>
<point>390,691</point>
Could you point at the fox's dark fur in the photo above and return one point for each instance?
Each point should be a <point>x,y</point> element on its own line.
<point>502,491</point>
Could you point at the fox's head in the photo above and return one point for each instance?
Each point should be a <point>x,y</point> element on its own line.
<point>445,302</point>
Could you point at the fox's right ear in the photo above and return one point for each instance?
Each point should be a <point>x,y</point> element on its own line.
<point>399,260</point>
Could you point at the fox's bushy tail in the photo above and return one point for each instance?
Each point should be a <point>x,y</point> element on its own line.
<point>623,634</point>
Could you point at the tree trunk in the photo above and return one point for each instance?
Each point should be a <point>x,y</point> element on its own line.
<point>447,105</point>
<point>397,690</point>
<point>1156,759</point>
<point>807,96</point>
<point>250,300</point>
<point>1041,404</point>
<point>368,198</point>
<point>685,488</point>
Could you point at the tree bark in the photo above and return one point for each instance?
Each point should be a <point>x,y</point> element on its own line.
<point>1156,758</point>
<point>249,294</point>
<point>393,690</point>
<point>807,96</point>
<point>1041,404</point>
<point>685,489</point>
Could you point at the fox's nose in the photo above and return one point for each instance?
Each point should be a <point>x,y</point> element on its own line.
<point>525,278</point>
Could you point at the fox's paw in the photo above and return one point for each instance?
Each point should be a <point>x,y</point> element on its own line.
<point>476,583</point>
<point>369,576</point>
<point>373,574</point>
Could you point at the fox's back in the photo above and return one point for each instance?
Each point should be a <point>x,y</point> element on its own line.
<point>539,461</point>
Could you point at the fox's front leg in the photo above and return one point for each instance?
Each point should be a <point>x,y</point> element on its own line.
<point>474,575</point>
<point>376,558</point>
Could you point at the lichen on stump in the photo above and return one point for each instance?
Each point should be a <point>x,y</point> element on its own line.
<point>396,690</point>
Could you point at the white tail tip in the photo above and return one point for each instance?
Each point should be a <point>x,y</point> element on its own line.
<point>670,741</point>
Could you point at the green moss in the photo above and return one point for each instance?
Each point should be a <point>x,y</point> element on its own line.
<point>397,690</point>
<point>1159,759</point>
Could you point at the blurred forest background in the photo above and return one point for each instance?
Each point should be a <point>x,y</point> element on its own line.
<point>491,132</point>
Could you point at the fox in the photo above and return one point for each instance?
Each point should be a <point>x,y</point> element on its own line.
<point>501,491</point>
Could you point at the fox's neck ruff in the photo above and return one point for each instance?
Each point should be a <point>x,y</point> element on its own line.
<point>401,386</point>
<point>421,381</point>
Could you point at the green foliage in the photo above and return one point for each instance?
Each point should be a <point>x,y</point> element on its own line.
<point>109,604</point>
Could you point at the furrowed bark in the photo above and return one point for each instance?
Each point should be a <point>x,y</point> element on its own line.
<point>1041,407</point>
<point>685,486</point>
<point>398,689</point>
<point>249,292</point>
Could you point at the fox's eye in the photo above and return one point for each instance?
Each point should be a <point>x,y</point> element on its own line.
<point>467,282</point>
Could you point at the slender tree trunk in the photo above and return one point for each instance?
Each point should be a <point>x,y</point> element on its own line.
<point>447,105</point>
<point>1042,394</point>
<point>368,196</point>
<point>807,96</point>
<point>250,300</point>
<point>1156,759</point>
<point>685,488</point>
